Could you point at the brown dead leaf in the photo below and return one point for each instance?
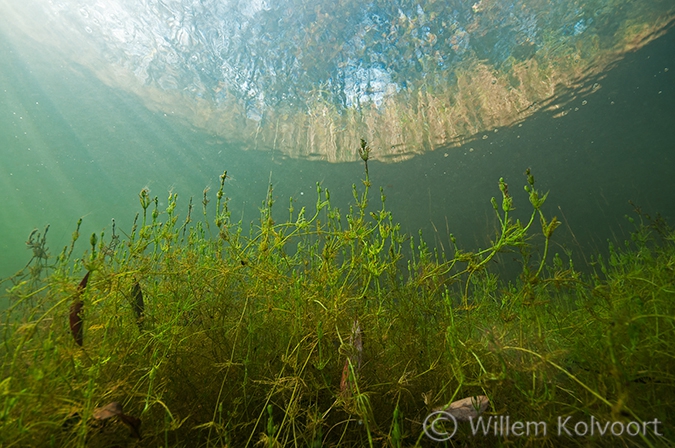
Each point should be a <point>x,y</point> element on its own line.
<point>109,410</point>
<point>466,408</point>
<point>133,423</point>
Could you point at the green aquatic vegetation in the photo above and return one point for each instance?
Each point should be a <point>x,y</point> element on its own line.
<point>332,328</point>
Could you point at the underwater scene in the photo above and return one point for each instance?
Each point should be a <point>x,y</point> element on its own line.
<point>370,223</point>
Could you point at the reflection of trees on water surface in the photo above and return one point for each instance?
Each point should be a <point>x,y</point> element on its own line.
<point>312,79</point>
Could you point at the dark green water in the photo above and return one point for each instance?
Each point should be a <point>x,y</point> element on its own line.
<point>73,147</point>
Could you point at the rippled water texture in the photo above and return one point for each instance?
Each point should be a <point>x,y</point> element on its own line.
<point>309,79</point>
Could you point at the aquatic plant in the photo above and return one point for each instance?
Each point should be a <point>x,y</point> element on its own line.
<point>326,330</point>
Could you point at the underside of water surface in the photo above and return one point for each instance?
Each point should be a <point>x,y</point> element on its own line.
<point>310,79</point>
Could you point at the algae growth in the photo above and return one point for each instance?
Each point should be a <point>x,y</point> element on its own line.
<point>335,329</point>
